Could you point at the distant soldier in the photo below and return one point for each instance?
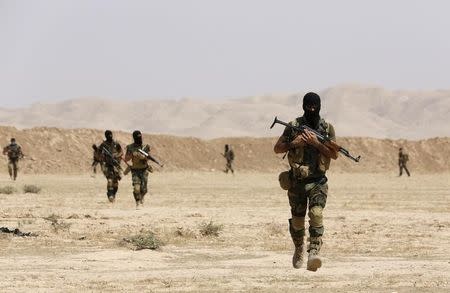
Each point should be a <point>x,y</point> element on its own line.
<point>111,153</point>
<point>14,153</point>
<point>402,160</point>
<point>229,156</point>
<point>96,158</point>
<point>139,167</point>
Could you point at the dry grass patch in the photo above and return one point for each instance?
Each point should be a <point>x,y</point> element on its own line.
<point>7,190</point>
<point>30,188</point>
<point>210,229</point>
<point>144,240</point>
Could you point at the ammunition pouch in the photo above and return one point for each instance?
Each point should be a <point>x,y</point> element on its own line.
<point>285,180</point>
<point>300,171</point>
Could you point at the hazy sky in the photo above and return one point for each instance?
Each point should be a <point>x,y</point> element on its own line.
<point>54,50</point>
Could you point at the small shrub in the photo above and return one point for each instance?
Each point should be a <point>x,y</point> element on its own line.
<point>7,190</point>
<point>57,225</point>
<point>144,240</point>
<point>52,218</point>
<point>210,229</point>
<point>30,188</point>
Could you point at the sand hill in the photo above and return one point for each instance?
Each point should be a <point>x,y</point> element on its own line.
<point>355,110</point>
<point>55,150</point>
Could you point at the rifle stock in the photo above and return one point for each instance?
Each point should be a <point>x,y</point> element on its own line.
<point>323,139</point>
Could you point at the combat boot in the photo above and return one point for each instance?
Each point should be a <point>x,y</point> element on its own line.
<point>314,261</point>
<point>297,258</point>
<point>297,238</point>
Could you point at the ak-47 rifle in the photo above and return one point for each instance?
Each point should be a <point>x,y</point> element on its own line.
<point>323,139</point>
<point>111,157</point>
<point>148,156</point>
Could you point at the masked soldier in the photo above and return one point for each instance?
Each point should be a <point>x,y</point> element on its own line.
<point>306,182</point>
<point>111,153</point>
<point>402,160</point>
<point>14,153</point>
<point>229,156</point>
<point>139,167</point>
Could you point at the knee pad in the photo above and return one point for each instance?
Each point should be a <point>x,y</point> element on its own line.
<point>298,223</point>
<point>315,216</point>
<point>110,183</point>
<point>137,189</point>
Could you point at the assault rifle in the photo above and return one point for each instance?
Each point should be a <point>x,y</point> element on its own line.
<point>322,138</point>
<point>148,156</point>
<point>110,155</point>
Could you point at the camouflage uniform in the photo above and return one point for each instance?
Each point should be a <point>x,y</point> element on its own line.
<point>307,189</point>
<point>139,171</point>
<point>402,159</point>
<point>14,153</point>
<point>111,168</point>
<point>229,156</point>
<point>96,159</point>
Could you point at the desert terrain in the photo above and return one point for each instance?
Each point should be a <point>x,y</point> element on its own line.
<point>383,234</point>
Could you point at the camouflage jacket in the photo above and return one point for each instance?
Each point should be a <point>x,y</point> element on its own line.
<point>307,161</point>
<point>14,151</point>
<point>138,160</point>
<point>114,148</point>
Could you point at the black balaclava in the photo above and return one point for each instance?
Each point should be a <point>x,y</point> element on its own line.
<point>137,137</point>
<point>312,117</point>
<point>108,135</point>
<point>227,148</point>
<point>13,141</point>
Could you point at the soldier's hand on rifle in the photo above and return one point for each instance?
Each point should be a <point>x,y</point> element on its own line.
<point>310,138</point>
<point>299,141</point>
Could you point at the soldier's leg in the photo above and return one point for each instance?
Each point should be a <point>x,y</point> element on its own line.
<point>317,201</point>
<point>110,189</point>
<point>144,185</point>
<point>231,167</point>
<point>15,169</point>
<point>401,169</point>
<point>136,179</point>
<point>10,169</point>
<point>298,203</point>
<point>407,171</point>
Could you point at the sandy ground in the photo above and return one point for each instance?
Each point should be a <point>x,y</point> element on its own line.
<point>383,234</point>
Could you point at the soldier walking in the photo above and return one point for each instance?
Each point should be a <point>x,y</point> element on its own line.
<point>14,153</point>
<point>306,182</point>
<point>402,160</point>
<point>139,166</point>
<point>111,154</point>
<point>229,156</point>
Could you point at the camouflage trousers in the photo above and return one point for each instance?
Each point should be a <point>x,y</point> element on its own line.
<point>113,176</point>
<point>311,197</point>
<point>140,180</point>
<point>401,167</point>
<point>229,167</point>
<point>13,168</point>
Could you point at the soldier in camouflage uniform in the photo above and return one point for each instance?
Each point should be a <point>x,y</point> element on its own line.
<point>306,182</point>
<point>229,156</point>
<point>14,153</point>
<point>402,159</point>
<point>96,158</point>
<point>139,167</point>
<point>111,153</point>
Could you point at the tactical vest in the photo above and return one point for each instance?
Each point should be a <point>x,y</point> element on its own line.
<point>308,162</point>
<point>14,151</point>
<point>113,148</point>
<point>138,163</point>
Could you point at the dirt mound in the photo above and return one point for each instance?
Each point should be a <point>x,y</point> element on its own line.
<point>54,151</point>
